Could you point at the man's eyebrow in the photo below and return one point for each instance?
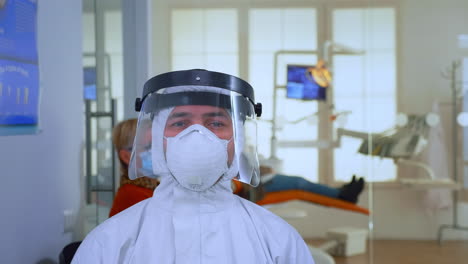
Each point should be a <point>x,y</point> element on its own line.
<point>179,114</point>
<point>216,114</point>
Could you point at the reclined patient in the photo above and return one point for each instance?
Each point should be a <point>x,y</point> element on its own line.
<point>274,182</point>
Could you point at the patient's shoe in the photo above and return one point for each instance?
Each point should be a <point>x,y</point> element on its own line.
<point>350,191</point>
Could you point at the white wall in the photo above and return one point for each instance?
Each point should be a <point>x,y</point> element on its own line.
<point>161,36</point>
<point>429,30</point>
<point>41,173</point>
<point>137,49</point>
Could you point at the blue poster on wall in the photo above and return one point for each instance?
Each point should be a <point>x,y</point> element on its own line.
<point>19,72</point>
<point>18,30</point>
<point>19,95</point>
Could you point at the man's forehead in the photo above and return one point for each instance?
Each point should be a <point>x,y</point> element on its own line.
<point>198,110</point>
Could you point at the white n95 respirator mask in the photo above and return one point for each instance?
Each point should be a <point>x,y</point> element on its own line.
<point>196,157</point>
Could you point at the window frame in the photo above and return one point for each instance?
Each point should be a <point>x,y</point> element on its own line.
<point>324,9</point>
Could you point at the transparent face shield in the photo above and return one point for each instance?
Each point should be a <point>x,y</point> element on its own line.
<point>211,130</point>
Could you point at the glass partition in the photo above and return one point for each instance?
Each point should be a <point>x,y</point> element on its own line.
<point>103,94</point>
<point>420,214</point>
<point>395,113</point>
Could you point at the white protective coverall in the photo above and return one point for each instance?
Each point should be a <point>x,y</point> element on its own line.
<point>210,227</point>
<point>179,225</point>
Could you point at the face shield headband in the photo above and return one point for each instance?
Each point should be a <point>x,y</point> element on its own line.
<point>156,102</point>
<point>199,78</point>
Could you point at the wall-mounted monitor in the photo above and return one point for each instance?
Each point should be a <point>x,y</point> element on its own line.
<point>302,85</point>
<point>89,82</point>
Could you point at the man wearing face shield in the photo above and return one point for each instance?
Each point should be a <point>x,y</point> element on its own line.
<point>200,124</point>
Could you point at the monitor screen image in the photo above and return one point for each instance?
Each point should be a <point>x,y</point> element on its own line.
<point>302,85</point>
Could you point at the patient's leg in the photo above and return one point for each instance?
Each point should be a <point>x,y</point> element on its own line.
<point>284,183</point>
<point>348,192</point>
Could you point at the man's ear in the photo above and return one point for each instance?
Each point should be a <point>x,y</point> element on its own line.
<point>124,155</point>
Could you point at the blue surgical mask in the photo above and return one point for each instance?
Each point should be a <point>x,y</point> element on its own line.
<point>146,164</point>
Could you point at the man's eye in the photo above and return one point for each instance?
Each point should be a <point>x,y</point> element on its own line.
<point>178,124</point>
<point>217,124</point>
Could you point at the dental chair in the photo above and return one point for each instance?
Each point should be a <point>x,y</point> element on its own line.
<point>343,241</point>
<point>290,195</point>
